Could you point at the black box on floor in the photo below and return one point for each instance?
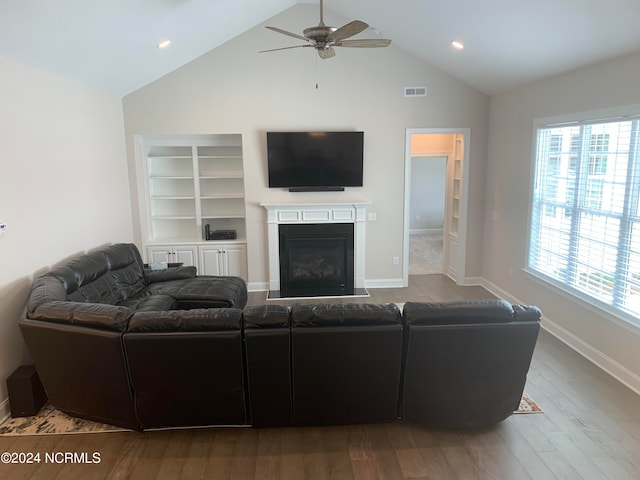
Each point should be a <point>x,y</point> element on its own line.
<point>26,393</point>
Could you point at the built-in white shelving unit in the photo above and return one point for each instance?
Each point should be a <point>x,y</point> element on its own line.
<point>186,182</point>
<point>458,156</point>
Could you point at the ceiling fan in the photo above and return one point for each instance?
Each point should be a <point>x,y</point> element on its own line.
<point>324,38</point>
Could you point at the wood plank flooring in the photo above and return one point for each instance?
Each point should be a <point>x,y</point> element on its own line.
<point>590,430</point>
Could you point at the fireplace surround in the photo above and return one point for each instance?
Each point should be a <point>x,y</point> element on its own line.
<point>321,216</point>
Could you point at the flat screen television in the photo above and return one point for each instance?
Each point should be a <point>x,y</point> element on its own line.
<point>312,161</point>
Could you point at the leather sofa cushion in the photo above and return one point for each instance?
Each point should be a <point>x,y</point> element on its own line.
<point>348,314</point>
<point>171,273</point>
<point>150,303</point>
<point>454,313</point>
<point>203,292</point>
<point>195,320</point>
<point>93,315</point>
<point>109,275</point>
<point>266,316</point>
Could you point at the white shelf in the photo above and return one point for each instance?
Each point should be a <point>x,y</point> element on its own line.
<point>221,196</point>
<point>172,197</point>
<point>221,175</point>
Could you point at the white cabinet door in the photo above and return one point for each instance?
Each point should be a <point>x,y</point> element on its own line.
<point>211,261</point>
<point>236,260</point>
<point>185,254</point>
<point>223,259</point>
<point>160,254</point>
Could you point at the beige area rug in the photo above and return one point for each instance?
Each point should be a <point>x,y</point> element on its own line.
<point>527,405</point>
<point>50,421</point>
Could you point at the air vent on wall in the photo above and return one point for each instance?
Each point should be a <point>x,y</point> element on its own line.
<point>415,91</point>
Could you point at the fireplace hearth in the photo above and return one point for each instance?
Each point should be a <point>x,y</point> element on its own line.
<point>316,260</point>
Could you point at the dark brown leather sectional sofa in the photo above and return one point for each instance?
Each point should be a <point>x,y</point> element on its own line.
<point>119,345</point>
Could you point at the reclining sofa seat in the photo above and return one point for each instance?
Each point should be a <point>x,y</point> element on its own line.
<point>267,333</point>
<point>346,361</point>
<point>81,362</point>
<point>466,362</point>
<point>187,368</point>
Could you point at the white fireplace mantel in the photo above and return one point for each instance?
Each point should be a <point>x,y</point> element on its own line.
<point>279,213</point>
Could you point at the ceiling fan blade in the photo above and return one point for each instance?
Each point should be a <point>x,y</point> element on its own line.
<point>326,53</point>
<point>290,34</point>
<point>365,43</point>
<point>348,30</point>
<point>283,48</point>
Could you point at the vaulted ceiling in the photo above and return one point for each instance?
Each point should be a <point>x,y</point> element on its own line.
<point>111,45</point>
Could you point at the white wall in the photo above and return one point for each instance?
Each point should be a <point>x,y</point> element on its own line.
<point>427,200</point>
<point>64,186</point>
<point>595,334</point>
<point>235,89</point>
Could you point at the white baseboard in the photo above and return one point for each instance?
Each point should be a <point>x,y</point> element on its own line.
<point>258,286</point>
<point>588,351</point>
<point>384,283</point>
<point>5,411</point>
<point>432,231</point>
<point>473,282</point>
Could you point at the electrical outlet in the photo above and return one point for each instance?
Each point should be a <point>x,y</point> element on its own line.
<point>372,216</point>
<point>396,261</point>
<point>3,227</point>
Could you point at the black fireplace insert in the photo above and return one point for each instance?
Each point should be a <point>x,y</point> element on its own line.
<point>316,260</point>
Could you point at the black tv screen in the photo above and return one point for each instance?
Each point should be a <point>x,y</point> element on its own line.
<point>315,160</point>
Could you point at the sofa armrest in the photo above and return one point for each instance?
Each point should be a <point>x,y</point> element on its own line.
<point>45,289</point>
<point>171,273</point>
<point>92,315</point>
<point>527,313</point>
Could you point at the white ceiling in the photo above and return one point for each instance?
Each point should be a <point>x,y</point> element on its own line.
<point>111,44</point>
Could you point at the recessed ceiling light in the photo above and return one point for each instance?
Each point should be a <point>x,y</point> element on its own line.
<point>164,44</point>
<point>457,45</point>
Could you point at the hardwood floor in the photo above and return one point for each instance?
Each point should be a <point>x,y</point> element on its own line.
<point>590,430</point>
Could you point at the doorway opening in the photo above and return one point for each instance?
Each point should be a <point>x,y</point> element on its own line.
<point>435,202</point>
<point>426,212</point>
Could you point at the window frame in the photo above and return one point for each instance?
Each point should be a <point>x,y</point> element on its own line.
<point>619,316</point>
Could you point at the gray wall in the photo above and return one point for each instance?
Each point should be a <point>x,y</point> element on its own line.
<point>427,201</point>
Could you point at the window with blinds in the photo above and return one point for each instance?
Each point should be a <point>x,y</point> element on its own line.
<point>585,225</point>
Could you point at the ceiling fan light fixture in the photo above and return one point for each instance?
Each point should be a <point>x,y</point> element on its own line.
<point>323,37</point>
<point>457,44</point>
<point>164,44</point>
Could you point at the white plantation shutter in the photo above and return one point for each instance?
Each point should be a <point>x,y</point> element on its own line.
<point>585,224</point>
